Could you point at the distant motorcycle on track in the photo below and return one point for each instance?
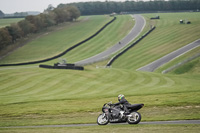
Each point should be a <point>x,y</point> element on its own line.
<point>112,114</point>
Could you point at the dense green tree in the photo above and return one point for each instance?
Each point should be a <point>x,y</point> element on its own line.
<point>47,19</point>
<point>66,13</point>
<point>14,31</point>
<point>61,15</point>
<point>26,27</point>
<point>93,8</point>
<point>74,12</point>
<point>20,14</point>
<point>70,12</point>
<point>36,21</point>
<point>32,24</point>
<point>5,38</point>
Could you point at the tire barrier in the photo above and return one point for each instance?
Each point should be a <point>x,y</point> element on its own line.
<point>157,17</point>
<point>126,49</point>
<point>63,53</point>
<point>67,66</point>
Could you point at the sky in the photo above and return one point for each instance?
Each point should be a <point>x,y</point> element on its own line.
<point>12,6</point>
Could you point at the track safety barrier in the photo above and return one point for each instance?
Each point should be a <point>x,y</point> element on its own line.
<point>126,49</point>
<point>63,53</point>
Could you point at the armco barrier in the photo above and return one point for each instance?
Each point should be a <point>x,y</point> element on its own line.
<point>181,63</point>
<point>68,66</point>
<point>63,53</point>
<point>122,52</point>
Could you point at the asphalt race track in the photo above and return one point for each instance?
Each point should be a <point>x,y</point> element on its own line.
<point>136,30</point>
<point>139,25</point>
<point>154,65</point>
<point>141,123</point>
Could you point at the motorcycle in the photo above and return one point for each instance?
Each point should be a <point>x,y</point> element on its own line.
<point>113,114</point>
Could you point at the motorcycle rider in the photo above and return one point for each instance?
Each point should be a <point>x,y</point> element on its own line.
<point>124,102</point>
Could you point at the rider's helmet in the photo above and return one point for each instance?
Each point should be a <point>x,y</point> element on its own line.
<point>120,97</point>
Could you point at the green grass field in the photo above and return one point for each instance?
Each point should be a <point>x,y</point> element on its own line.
<point>56,42</point>
<point>41,96</point>
<point>110,36</point>
<point>111,128</point>
<point>192,69</point>
<point>168,36</point>
<point>8,21</point>
<point>34,96</point>
<point>53,43</point>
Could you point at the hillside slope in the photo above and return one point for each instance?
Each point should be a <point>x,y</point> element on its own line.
<point>37,96</point>
<point>168,36</point>
<point>55,42</point>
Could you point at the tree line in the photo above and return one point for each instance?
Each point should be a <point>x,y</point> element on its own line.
<point>1,14</point>
<point>69,12</point>
<point>34,24</point>
<point>18,14</point>
<point>107,7</point>
<point>14,15</point>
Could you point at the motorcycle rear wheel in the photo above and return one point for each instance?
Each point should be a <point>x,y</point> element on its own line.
<point>134,118</point>
<point>102,119</point>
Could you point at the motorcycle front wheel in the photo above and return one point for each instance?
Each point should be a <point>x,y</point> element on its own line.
<point>102,119</point>
<point>134,118</point>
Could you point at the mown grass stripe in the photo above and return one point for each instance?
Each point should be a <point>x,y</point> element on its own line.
<point>25,85</point>
<point>44,84</point>
<point>60,54</point>
<point>13,82</point>
<point>104,40</point>
<point>64,88</point>
<point>167,38</point>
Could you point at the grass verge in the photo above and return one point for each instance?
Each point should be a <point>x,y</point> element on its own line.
<point>111,128</point>
<point>168,36</point>
<point>36,96</point>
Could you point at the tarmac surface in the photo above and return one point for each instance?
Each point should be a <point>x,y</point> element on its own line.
<point>139,25</point>
<point>84,125</point>
<point>135,31</point>
<point>156,64</point>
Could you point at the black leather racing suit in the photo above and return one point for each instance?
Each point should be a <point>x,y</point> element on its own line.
<point>125,104</point>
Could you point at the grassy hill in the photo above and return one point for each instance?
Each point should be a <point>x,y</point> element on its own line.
<point>52,43</point>
<point>168,36</point>
<point>191,67</point>
<point>6,22</point>
<point>36,96</point>
<point>54,95</point>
